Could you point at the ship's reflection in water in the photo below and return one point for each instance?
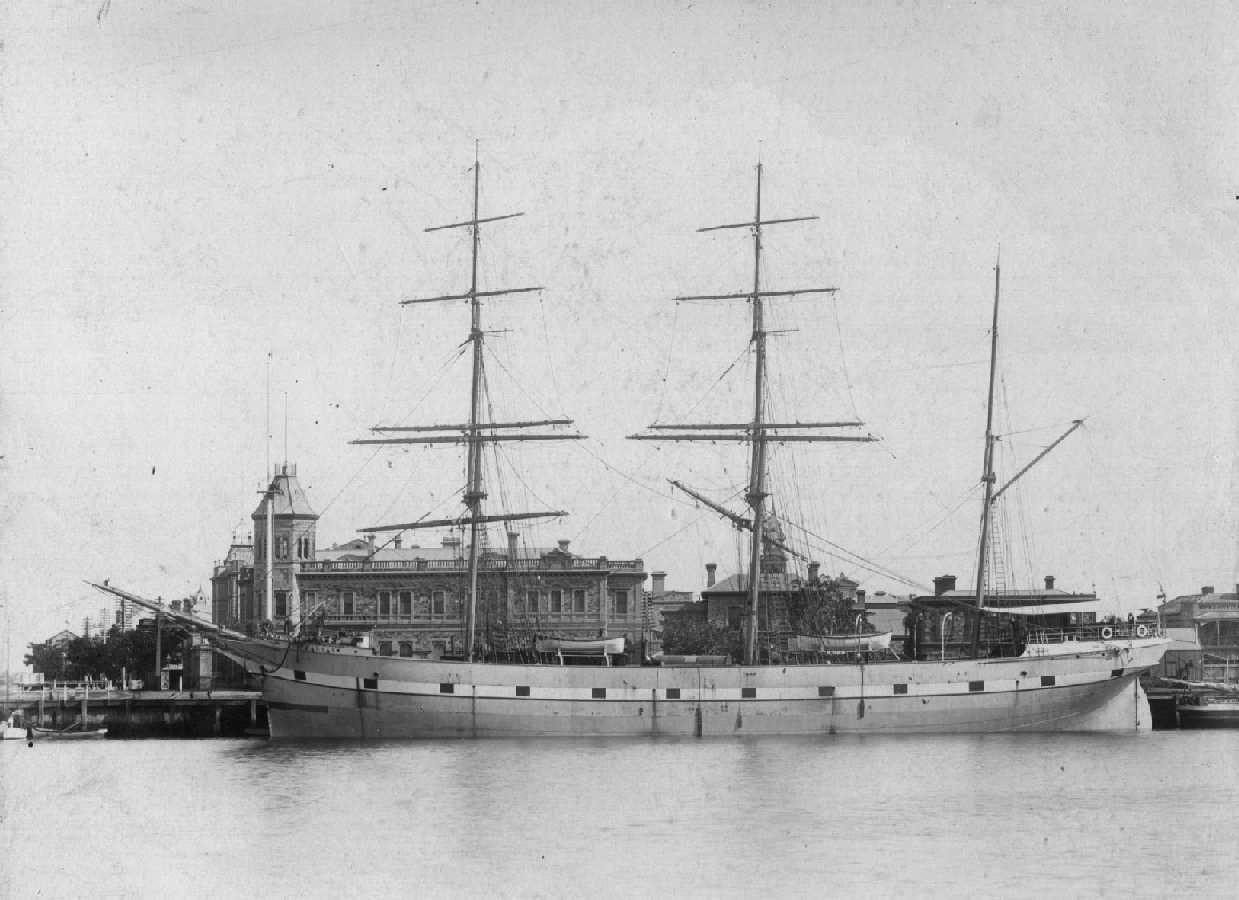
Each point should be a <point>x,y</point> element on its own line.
<point>1007,815</point>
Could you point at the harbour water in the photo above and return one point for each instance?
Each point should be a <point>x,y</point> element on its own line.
<point>1067,815</point>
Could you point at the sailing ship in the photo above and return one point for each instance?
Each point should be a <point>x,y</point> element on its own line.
<point>341,690</point>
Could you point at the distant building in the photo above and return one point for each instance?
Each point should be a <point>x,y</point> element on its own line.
<point>60,639</point>
<point>1204,628</point>
<point>727,600</point>
<point>232,588</point>
<point>658,603</point>
<point>412,598</point>
<point>885,612</point>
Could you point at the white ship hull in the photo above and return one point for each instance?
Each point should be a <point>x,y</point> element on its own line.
<point>315,691</point>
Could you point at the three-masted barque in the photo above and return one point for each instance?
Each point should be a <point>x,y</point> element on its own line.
<point>332,690</point>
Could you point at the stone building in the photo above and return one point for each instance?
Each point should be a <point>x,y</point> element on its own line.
<point>232,588</point>
<point>726,600</point>
<point>412,598</point>
<point>284,527</point>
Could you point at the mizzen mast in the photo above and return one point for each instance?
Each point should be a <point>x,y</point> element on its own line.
<point>758,433</point>
<point>476,433</point>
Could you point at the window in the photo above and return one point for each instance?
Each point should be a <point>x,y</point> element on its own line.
<point>311,598</point>
<point>281,548</point>
<point>531,601</point>
<point>578,601</point>
<point>438,603</point>
<point>557,601</point>
<point>281,604</point>
<point>385,648</point>
<point>385,605</point>
<point>406,605</point>
<point>347,603</point>
<point>619,603</point>
<point>406,648</point>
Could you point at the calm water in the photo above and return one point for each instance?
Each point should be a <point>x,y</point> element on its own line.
<point>1152,815</point>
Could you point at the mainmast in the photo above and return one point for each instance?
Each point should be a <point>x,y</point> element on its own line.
<point>758,433</point>
<point>476,433</point>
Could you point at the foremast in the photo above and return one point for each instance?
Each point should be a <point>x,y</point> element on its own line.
<point>477,432</point>
<point>758,432</point>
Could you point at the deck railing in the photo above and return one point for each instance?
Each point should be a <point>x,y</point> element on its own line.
<point>1100,631</point>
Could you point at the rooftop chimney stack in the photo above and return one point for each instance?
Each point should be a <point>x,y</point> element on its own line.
<point>512,536</point>
<point>1049,582</point>
<point>563,546</point>
<point>814,569</point>
<point>1206,590</point>
<point>711,568</point>
<point>398,542</point>
<point>943,584</point>
<point>659,582</point>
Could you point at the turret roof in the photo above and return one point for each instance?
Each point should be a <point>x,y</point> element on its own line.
<point>290,499</point>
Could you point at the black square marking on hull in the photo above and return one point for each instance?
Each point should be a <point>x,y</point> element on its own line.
<point>522,690</point>
<point>826,690</point>
<point>370,684</point>
<point>1047,681</point>
<point>748,693</point>
<point>974,686</point>
<point>901,689</point>
<point>299,675</point>
<point>673,693</point>
<point>599,693</point>
<point>447,687</point>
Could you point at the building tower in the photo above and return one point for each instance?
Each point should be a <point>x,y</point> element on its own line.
<point>282,542</point>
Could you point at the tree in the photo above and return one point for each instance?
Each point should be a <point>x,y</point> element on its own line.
<point>820,608</point>
<point>48,659</point>
<point>687,632</point>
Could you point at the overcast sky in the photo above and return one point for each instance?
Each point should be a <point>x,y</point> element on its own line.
<point>195,193</point>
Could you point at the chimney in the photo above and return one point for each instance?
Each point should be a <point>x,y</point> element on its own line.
<point>563,546</point>
<point>512,536</point>
<point>943,583</point>
<point>814,568</point>
<point>1206,590</point>
<point>1049,582</point>
<point>711,568</point>
<point>398,542</point>
<point>659,582</point>
<point>370,539</point>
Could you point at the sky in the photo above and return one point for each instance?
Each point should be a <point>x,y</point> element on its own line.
<point>211,212</point>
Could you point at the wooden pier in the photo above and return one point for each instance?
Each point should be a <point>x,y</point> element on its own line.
<point>128,713</point>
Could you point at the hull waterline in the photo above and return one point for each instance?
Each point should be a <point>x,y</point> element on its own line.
<point>315,691</point>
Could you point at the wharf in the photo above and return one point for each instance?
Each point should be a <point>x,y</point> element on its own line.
<point>128,713</point>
